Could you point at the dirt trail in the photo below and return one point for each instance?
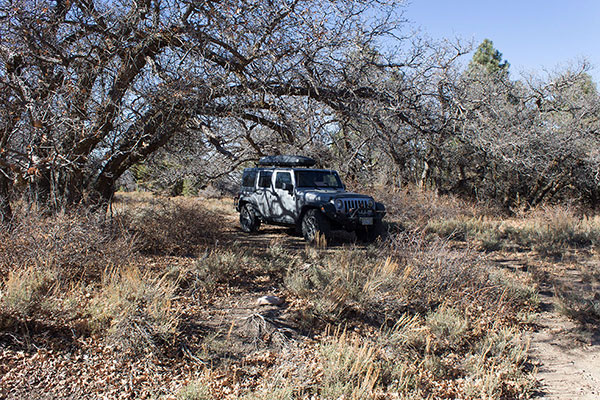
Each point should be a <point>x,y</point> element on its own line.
<point>568,357</point>
<point>570,368</point>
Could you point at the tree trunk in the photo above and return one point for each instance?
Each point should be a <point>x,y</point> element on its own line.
<point>424,175</point>
<point>72,185</point>
<point>5,209</point>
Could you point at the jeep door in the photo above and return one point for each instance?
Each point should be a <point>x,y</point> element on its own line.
<point>282,199</point>
<point>264,193</point>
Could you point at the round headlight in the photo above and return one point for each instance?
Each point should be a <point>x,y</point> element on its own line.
<point>371,203</point>
<point>339,204</point>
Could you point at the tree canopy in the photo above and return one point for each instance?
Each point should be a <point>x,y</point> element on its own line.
<point>91,88</point>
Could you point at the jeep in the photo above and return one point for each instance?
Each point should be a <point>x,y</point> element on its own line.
<point>285,190</point>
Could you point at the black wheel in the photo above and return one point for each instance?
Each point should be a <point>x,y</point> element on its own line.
<point>248,220</point>
<point>369,233</point>
<point>313,223</point>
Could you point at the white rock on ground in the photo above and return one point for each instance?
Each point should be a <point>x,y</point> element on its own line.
<point>269,301</point>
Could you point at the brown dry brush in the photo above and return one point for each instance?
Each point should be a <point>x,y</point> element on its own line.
<point>408,273</point>
<point>53,265</point>
<point>433,312</point>
<point>77,244</point>
<point>43,258</point>
<point>181,226</point>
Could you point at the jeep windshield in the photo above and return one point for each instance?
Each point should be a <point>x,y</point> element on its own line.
<point>318,179</point>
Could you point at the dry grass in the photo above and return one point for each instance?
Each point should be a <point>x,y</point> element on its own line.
<point>581,306</point>
<point>548,230</point>
<point>414,207</point>
<point>408,273</point>
<point>75,245</point>
<point>211,268</point>
<point>552,230</point>
<point>433,305</point>
<point>134,310</point>
<point>550,233</point>
<point>409,317</point>
<point>25,294</point>
<point>197,390</point>
<point>496,366</point>
<point>448,325</point>
<point>350,367</point>
<point>47,260</point>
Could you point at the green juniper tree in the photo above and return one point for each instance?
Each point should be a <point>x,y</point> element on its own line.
<point>489,58</point>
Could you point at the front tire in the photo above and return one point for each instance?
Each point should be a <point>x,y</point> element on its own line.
<point>248,220</point>
<point>314,223</point>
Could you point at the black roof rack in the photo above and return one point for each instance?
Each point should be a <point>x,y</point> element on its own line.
<point>286,161</point>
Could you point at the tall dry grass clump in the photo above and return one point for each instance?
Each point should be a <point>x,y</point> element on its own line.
<point>135,311</point>
<point>43,257</point>
<point>25,294</point>
<point>332,284</point>
<point>350,368</point>
<point>552,230</point>
<point>415,207</point>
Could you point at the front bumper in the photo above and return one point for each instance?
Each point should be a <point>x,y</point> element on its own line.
<point>356,217</point>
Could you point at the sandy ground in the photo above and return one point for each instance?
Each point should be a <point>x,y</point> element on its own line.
<point>569,358</point>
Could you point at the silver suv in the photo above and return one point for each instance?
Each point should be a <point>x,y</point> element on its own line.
<point>284,190</point>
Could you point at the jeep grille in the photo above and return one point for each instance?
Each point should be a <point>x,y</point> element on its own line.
<point>352,204</point>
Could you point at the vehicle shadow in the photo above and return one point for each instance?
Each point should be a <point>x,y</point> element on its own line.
<point>267,236</point>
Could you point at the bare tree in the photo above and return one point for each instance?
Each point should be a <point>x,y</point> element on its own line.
<point>529,142</point>
<point>93,87</point>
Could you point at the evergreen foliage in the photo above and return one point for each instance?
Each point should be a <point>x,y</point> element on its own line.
<point>489,58</point>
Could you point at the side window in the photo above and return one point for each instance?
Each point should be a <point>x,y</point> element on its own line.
<point>249,178</point>
<point>265,179</point>
<point>281,178</point>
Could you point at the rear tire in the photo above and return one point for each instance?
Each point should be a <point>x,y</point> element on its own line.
<point>248,219</point>
<point>314,223</point>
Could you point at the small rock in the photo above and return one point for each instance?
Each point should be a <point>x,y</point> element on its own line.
<point>269,301</point>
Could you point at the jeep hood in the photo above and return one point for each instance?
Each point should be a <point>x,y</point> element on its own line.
<point>325,195</point>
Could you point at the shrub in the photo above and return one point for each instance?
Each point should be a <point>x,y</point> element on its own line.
<point>172,227</point>
<point>350,369</point>
<point>448,325</point>
<point>409,333</point>
<point>497,367</point>
<point>78,244</point>
<point>416,274</point>
<point>134,310</point>
<point>335,285</point>
<point>214,267</point>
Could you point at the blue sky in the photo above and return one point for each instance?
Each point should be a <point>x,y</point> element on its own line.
<point>532,35</point>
